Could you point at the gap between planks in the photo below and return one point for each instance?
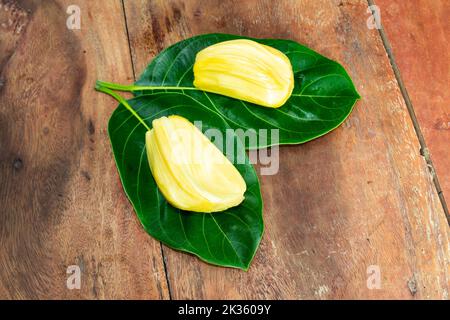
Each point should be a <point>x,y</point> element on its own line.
<point>134,79</point>
<point>423,147</point>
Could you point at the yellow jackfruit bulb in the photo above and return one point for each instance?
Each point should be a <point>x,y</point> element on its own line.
<point>190,171</point>
<point>245,70</point>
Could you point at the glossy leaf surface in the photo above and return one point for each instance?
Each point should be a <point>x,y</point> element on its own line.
<point>228,238</point>
<point>323,94</point>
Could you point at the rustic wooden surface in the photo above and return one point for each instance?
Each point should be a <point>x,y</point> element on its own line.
<point>61,199</point>
<point>419,32</point>
<point>359,196</point>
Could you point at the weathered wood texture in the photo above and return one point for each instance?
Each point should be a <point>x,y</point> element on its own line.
<point>419,33</point>
<point>360,196</point>
<point>61,201</point>
<point>357,197</point>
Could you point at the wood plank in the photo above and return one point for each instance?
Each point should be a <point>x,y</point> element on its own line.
<point>419,33</point>
<point>357,197</point>
<point>61,199</point>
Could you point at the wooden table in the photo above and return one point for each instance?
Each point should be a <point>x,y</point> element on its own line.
<point>361,204</point>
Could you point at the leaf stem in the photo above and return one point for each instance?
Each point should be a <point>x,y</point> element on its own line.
<point>131,88</point>
<point>122,100</point>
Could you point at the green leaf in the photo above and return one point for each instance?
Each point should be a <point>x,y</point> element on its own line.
<point>323,95</point>
<point>228,238</point>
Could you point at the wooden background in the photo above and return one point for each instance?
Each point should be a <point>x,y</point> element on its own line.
<point>366,194</point>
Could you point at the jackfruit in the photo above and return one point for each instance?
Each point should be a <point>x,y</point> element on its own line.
<point>246,70</point>
<point>190,171</point>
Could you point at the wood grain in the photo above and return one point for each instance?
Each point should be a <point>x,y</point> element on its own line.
<point>357,197</point>
<point>61,199</point>
<point>419,33</point>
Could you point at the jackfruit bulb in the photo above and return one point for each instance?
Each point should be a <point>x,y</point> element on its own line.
<point>190,171</point>
<point>246,70</point>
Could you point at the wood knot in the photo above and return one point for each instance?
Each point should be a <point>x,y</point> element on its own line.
<point>17,164</point>
<point>86,175</point>
<point>412,286</point>
<point>91,127</point>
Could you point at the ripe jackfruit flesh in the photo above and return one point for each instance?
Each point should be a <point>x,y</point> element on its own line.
<point>190,171</point>
<point>246,70</point>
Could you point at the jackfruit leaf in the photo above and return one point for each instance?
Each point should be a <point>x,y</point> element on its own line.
<point>323,95</point>
<point>228,238</point>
